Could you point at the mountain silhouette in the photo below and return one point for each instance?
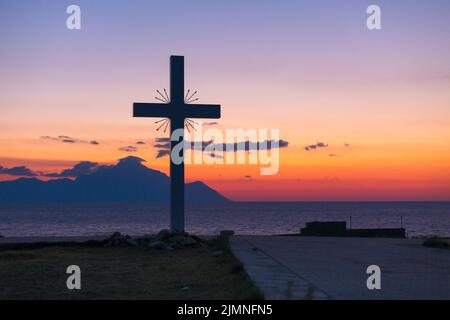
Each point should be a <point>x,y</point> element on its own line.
<point>127,181</point>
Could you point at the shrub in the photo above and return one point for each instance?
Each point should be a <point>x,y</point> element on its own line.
<point>435,242</point>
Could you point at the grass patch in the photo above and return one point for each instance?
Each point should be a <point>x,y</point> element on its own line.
<point>234,266</point>
<point>38,271</point>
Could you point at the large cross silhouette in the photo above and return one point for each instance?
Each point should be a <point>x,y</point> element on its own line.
<point>177,111</point>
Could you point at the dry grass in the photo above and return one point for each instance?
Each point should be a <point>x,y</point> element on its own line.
<point>38,272</point>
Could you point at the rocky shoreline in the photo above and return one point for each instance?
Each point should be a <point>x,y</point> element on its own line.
<point>164,240</point>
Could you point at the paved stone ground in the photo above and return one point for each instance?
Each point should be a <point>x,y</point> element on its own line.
<point>336,267</point>
<point>276,280</point>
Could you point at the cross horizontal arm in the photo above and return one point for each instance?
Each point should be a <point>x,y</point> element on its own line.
<point>205,111</point>
<point>157,110</point>
<point>167,110</point>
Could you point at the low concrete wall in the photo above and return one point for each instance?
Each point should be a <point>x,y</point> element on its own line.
<point>326,228</point>
<point>377,233</point>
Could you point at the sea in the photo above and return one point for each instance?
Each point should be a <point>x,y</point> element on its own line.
<point>246,218</point>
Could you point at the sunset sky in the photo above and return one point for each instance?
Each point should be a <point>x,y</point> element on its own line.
<point>380,99</point>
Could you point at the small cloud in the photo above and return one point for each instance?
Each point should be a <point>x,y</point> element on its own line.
<point>316,146</point>
<point>67,139</point>
<point>64,139</point>
<point>346,145</point>
<point>333,155</point>
<point>162,153</point>
<point>128,149</point>
<point>283,143</point>
<point>213,123</point>
<point>18,171</point>
<point>215,155</point>
<point>248,177</point>
<point>162,145</point>
<point>140,142</point>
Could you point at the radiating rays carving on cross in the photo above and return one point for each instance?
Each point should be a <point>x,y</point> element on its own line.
<point>164,98</point>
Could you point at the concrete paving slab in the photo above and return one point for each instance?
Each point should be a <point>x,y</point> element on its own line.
<point>337,266</point>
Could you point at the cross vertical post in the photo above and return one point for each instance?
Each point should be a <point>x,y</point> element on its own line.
<point>177,123</point>
<point>177,110</point>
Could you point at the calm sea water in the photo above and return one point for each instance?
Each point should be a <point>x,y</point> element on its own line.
<point>419,218</point>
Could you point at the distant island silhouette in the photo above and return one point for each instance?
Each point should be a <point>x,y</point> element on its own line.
<point>127,181</point>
